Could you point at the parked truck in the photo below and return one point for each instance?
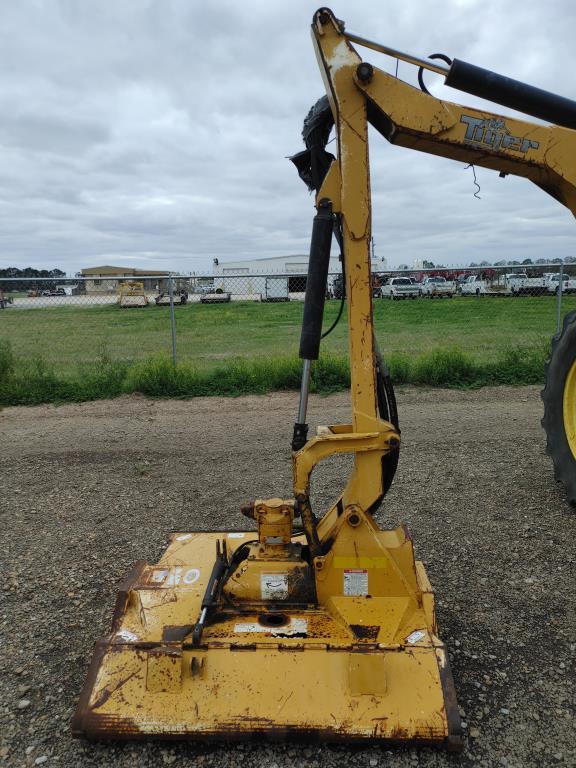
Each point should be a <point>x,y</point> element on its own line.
<point>491,285</point>
<point>437,287</point>
<point>399,288</point>
<point>522,285</point>
<point>568,283</point>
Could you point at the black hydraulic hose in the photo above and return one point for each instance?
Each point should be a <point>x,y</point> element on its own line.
<point>387,406</point>
<point>388,410</point>
<point>218,571</point>
<point>340,240</point>
<point>337,320</point>
<point>316,281</point>
<point>421,70</point>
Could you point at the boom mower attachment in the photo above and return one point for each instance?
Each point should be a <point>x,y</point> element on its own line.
<point>325,631</point>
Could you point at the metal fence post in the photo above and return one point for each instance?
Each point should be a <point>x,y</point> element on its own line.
<point>172,318</point>
<point>559,298</point>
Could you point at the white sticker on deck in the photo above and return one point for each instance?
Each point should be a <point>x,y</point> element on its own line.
<point>355,582</point>
<point>274,586</point>
<point>415,636</point>
<point>236,535</point>
<point>171,577</point>
<point>294,627</point>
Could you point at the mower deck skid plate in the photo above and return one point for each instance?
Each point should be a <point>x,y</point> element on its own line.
<point>284,672</point>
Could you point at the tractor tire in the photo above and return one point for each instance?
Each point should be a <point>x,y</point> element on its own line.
<point>559,396</point>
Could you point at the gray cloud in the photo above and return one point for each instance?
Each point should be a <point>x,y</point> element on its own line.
<point>155,132</point>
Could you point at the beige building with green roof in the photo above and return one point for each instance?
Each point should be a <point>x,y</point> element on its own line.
<point>107,279</point>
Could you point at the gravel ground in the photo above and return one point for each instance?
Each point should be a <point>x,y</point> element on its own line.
<point>88,489</point>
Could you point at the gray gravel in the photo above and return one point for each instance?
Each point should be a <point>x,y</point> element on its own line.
<point>88,489</point>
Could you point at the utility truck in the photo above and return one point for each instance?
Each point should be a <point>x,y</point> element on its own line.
<point>522,285</point>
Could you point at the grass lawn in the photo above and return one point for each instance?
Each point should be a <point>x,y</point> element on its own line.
<point>207,334</point>
<point>80,353</point>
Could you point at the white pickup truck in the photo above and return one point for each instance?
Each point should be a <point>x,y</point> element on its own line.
<point>522,285</point>
<point>568,283</point>
<point>437,287</point>
<point>399,288</point>
<point>501,285</point>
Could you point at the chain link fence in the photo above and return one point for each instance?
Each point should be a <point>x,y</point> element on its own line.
<point>211,322</point>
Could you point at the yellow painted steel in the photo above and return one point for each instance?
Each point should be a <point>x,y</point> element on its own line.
<point>413,119</point>
<point>271,632</point>
<point>342,668</point>
<point>569,408</point>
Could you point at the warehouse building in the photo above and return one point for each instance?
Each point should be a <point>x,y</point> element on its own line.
<point>249,275</point>
<point>282,265</point>
<point>107,279</point>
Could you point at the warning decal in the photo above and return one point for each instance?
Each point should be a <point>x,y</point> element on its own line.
<point>274,586</point>
<point>355,582</point>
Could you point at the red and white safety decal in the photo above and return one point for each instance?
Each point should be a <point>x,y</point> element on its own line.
<point>355,582</point>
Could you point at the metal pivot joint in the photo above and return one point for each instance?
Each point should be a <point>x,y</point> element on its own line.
<point>300,436</point>
<point>365,72</point>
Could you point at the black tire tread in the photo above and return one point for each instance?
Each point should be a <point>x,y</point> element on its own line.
<point>561,358</point>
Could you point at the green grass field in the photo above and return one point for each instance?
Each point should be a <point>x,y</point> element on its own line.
<point>207,334</point>
<point>247,341</point>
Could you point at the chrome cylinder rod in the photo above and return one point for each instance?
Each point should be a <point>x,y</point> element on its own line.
<point>300,435</point>
<point>433,66</point>
<point>304,391</point>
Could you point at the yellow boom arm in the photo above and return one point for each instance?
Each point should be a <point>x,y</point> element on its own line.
<point>360,94</point>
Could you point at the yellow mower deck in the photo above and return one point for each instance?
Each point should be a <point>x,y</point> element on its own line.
<point>358,667</point>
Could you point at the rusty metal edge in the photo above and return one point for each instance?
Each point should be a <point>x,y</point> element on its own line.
<point>81,714</point>
<point>101,647</point>
<point>88,725</point>
<point>124,588</point>
<point>455,738</point>
<point>123,730</point>
<point>92,727</point>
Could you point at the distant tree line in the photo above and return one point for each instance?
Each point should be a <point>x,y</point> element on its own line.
<point>502,263</point>
<point>44,278</point>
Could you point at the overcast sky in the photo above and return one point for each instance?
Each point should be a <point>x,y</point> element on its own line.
<point>154,133</point>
